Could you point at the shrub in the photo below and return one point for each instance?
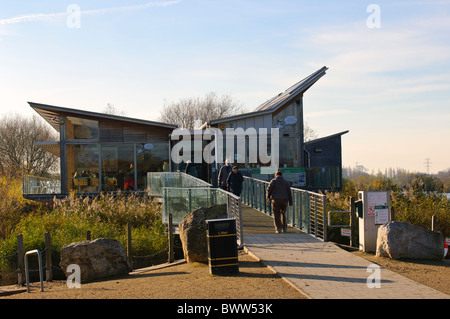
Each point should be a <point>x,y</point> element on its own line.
<point>411,202</point>
<point>105,216</point>
<point>13,207</point>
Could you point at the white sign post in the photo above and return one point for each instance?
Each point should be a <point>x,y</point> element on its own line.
<point>376,207</point>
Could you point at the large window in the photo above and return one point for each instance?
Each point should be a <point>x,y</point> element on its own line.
<point>114,167</point>
<point>151,157</point>
<point>289,125</point>
<point>81,129</point>
<point>118,167</point>
<point>83,167</point>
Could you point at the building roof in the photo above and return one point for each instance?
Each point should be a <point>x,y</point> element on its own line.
<point>52,113</point>
<point>292,92</point>
<point>325,138</point>
<point>280,100</point>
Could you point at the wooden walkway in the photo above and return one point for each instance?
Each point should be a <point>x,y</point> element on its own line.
<point>322,270</point>
<point>255,222</point>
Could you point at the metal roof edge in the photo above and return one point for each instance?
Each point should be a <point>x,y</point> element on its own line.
<point>60,109</point>
<point>240,116</point>
<point>294,90</point>
<point>326,137</point>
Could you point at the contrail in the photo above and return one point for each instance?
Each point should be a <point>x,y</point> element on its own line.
<point>49,16</point>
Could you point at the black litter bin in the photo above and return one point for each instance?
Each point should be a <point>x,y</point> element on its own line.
<point>222,246</point>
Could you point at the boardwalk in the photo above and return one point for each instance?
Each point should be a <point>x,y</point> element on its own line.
<point>321,270</point>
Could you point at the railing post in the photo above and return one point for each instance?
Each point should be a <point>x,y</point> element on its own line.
<point>315,216</point>
<point>241,226</point>
<point>325,221</point>
<point>189,201</point>
<point>48,258</point>
<point>129,247</point>
<point>300,212</point>
<point>40,268</point>
<point>253,193</point>
<point>20,259</point>
<point>170,234</point>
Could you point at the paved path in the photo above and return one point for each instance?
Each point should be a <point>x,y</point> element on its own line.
<point>322,270</point>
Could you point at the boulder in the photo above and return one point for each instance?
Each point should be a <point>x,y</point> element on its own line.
<point>99,258</point>
<point>398,240</point>
<point>193,232</point>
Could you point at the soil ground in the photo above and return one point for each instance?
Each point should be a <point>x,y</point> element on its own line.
<point>193,281</point>
<point>182,281</point>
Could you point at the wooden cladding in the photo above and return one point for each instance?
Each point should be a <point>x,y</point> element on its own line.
<point>117,131</point>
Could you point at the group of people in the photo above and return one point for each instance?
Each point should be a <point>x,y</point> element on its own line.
<point>278,192</point>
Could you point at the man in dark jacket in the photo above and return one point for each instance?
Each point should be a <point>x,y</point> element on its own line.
<point>279,193</point>
<point>234,181</point>
<point>225,170</point>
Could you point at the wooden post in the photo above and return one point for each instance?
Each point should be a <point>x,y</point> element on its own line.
<point>48,257</point>
<point>88,235</point>
<point>392,214</point>
<point>20,260</point>
<point>433,223</point>
<point>170,234</point>
<point>129,247</point>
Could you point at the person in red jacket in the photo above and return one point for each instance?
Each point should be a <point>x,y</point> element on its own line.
<point>279,194</point>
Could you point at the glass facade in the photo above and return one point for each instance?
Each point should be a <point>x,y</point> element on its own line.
<point>81,129</point>
<point>290,126</point>
<point>83,167</point>
<point>114,167</point>
<point>118,167</point>
<point>93,166</point>
<point>151,157</point>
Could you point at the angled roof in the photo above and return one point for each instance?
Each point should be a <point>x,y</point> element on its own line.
<point>281,99</point>
<point>298,88</point>
<point>325,138</point>
<point>51,113</point>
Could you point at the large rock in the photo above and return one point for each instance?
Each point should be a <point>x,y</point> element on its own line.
<point>398,240</point>
<point>193,232</point>
<point>99,258</point>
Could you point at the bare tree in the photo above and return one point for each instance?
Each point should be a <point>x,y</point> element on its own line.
<point>192,112</point>
<point>18,153</point>
<point>111,109</point>
<point>309,133</point>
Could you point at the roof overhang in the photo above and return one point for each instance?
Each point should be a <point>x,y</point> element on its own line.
<point>51,147</point>
<point>53,113</point>
<point>325,138</point>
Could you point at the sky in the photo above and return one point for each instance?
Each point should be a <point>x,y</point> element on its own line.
<point>388,81</point>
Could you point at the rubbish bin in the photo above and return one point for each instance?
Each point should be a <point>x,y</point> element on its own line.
<point>222,246</point>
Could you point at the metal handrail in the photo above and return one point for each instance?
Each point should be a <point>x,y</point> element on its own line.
<point>41,275</point>
<point>307,213</point>
<point>337,212</point>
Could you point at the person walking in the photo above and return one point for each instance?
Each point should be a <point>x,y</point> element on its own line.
<point>279,194</point>
<point>224,171</point>
<point>234,181</point>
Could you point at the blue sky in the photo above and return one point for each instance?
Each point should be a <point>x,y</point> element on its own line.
<point>390,86</point>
